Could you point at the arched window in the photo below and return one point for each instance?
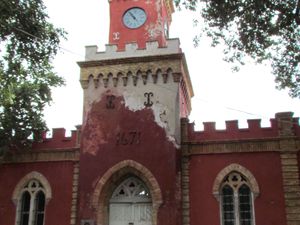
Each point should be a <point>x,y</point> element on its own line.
<point>236,200</point>
<point>31,196</point>
<point>235,188</point>
<point>39,208</point>
<point>25,208</point>
<point>31,208</point>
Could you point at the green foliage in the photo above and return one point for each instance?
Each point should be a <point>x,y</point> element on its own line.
<point>267,30</point>
<point>28,44</point>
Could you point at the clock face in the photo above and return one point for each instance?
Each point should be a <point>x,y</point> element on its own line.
<point>134,17</point>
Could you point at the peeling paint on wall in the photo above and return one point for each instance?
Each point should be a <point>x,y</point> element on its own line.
<point>132,101</point>
<point>161,118</point>
<point>155,30</point>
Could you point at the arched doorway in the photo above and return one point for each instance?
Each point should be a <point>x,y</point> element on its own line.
<point>130,203</point>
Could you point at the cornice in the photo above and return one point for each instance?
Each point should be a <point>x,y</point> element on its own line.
<point>42,156</point>
<point>129,60</point>
<point>241,146</point>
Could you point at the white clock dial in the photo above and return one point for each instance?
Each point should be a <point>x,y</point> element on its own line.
<point>134,18</point>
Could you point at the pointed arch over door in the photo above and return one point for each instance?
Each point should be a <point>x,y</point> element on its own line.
<point>109,182</point>
<point>130,203</point>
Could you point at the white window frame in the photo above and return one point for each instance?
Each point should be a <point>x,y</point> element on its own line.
<point>235,187</point>
<point>249,180</point>
<point>22,187</point>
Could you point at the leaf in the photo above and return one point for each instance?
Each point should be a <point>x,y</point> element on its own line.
<point>26,74</point>
<point>262,30</point>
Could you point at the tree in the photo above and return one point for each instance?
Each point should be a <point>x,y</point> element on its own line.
<point>265,30</point>
<point>28,44</point>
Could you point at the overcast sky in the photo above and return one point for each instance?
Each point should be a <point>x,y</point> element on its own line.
<point>219,94</point>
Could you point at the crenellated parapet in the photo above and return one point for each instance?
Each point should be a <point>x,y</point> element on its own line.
<point>133,68</point>
<point>58,140</point>
<point>56,148</point>
<point>142,65</point>
<point>284,125</point>
<point>132,50</point>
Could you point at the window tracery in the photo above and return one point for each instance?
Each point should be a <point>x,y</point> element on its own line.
<point>236,200</point>
<point>32,204</point>
<point>130,189</point>
<point>235,188</point>
<point>31,196</point>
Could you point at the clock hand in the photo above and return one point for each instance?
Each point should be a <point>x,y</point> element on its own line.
<point>132,15</point>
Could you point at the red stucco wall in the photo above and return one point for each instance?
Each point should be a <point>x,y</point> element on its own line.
<point>101,150</point>
<point>59,176</point>
<point>141,34</point>
<point>266,168</point>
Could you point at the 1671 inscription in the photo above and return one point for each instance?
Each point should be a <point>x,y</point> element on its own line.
<point>128,138</point>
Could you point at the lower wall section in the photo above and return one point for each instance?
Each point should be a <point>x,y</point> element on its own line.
<point>269,205</point>
<point>58,174</point>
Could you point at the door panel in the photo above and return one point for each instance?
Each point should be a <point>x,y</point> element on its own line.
<point>130,213</point>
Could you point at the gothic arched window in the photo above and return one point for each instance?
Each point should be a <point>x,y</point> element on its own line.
<point>31,196</point>
<point>31,208</point>
<point>235,188</point>
<point>236,200</point>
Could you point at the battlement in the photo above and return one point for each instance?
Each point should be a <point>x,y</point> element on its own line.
<point>135,67</point>
<point>284,125</point>
<point>132,50</point>
<point>59,140</point>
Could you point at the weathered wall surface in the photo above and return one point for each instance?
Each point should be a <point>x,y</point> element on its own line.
<point>158,16</point>
<point>132,109</point>
<point>60,177</point>
<point>269,205</point>
<point>271,154</point>
<point>160,97</point>
<point>111,136</point>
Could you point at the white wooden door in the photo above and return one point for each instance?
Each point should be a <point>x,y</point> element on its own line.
<point>130,204</point>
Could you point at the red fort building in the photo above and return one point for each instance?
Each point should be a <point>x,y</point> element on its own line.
<point>137,160</point>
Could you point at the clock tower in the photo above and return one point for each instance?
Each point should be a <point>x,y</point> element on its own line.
<point>135,93</point>
<point>139,21</point>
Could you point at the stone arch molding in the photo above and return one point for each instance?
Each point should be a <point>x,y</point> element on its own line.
<point>100,197</point>
<point>33,175</point>
<point>235,168</point>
